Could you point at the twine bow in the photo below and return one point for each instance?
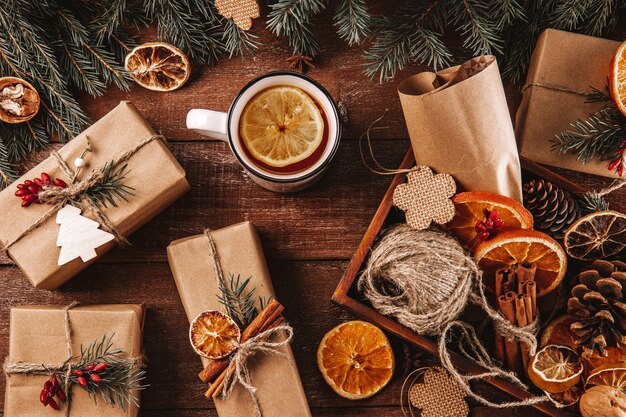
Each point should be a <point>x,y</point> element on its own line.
<point>241,372</point>
<point>238,370</point>
<point>75,192</point>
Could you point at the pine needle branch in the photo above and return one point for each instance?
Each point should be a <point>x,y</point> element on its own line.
<point>238,300</point>
<point>353,21</point>
<point>7,170</point>
<point>292,18</point>
<point>237,41</point>
<point>111,188</point>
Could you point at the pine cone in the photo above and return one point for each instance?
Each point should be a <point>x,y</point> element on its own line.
<point>597,302</point>
<point>553,208</point>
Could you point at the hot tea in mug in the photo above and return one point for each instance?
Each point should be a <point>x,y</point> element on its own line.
<point>283,128</point>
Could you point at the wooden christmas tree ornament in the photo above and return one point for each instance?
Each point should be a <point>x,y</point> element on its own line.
<point>241,11</point>
<point>425,198</point>
<point>79,236</point>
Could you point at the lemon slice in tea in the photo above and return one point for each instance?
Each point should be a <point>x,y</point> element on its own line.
<point>281,126</point>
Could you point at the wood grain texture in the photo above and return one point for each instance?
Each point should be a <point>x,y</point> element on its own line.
<point>308,237</point>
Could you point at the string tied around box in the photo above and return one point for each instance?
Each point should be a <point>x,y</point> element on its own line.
<point>128,365</point>
<point>76,191</point>
<point>424,279</point>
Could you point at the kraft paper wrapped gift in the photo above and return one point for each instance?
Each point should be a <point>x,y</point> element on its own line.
<point>37,336</point>
<point>157,178</point>
<point>563,68</point>
<point>459,124</point>
<point>279,388</point>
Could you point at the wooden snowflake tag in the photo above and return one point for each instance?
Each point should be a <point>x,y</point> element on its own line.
<point>79,236</point>
<point>425,198</point>
<point>439,395</point>
<point>241,11</point>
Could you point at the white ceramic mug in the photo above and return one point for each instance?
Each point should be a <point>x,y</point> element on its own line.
<point>225,126</point>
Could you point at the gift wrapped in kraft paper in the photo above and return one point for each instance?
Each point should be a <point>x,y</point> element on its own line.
<point>154,175</point>
<point>279,390</point>
<point>563,69</point>
<point>459,123</point>
<point>38,337</point>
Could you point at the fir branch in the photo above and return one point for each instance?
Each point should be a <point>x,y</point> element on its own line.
<point>237,41</point>
<point>111,188</point>
<point>591,202</point>
<point>507,12</point>
<point>599,136</point>
<point>569,13</point>
<point>22,139</point>
<point>481,34</point>
<point>119,380</point>
<point>292,18</point>
<point>353,21</point>
<point>7,170</point>
<point>238,300</point>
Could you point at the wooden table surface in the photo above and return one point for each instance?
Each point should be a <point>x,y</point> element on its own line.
<point>308,237</point>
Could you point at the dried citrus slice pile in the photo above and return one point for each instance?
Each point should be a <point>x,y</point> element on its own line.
<point>596,236</point>
<point>555,369</point>
<point>356,359</point>
<point>517,246</point>
<point>214,335</point>
<point>470,208</point>
<point>281,126</point>
<point>158,66</point>
<point>617,78</point>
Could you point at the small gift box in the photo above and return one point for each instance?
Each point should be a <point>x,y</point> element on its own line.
<point>459,124</point>
<point>45,340</point>
<point>121,145</point>
<point>563,69</point>
<point>279,390</point>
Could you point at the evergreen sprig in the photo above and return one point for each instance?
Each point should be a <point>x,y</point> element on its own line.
<point>7,170</point>
<point>353,21</point>
<point>111,188</point>
<point>293,19</point>
<point>239,301</point>
<point>119,381</point>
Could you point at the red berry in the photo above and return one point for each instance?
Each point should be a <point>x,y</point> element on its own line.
<point>498,222</point>
<point>43,397</point>
<point>89,367</point>
<point>95,378</point>
<point>78,372</point>
<point>28,183</point>
<point>21,186</point>
<point>61,395</point>
<point>483,235</point>
<point>620,170</point>
<point>34,189</point>
<point>21,192</point>
<point>614,163</point>
<point>493,215</point>
<point>480,227</point>
<point>47,386</point>
<point>45,177</point>
<point>100,367</point>
<point>55,383</point>
<point>82,381</point>
<point>53,404</point>
<point>38,181</point>
<point>60,183</point>
<point>489,224</point>
<point>27,199</point>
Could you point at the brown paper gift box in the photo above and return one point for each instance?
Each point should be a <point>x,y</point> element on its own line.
<point>37,335</point>
<point>153,172</point>
<point>561,60</point>
<point>279,388</point>
<point>459,124</point>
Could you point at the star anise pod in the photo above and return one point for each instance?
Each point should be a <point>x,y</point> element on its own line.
<point>300,63</point>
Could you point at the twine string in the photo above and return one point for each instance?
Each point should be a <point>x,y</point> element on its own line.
<point>76,191</point>
<point>556,87</point>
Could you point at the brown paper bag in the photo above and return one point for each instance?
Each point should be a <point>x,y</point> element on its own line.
<point>563,68</point>
<point>37,335</point>
<point>459,123</point>
<point>279,388</point>
<point>120,130</point>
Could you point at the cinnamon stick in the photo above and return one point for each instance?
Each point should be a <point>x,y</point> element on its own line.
<point>522,321</point>
<point>510,283</point>
<point>528,307</point>
<point>502,276</point>
<point>268,315</point>
<point>506,304</point>
<point>531,290</point>
<point>526,271</point>
<point>216,387</point>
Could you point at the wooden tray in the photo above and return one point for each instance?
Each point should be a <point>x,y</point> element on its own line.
<point>346,296</point>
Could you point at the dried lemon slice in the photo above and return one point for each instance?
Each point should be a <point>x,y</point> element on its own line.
<point>158,66</point>
<point>281,126</point>
<point>555,369</point>
<point>214,335</point>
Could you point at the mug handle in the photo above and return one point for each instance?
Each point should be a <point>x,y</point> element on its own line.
<point>209,123</point>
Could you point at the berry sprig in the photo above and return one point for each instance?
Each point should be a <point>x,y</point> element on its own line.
<point>51,390</point>
<point>487,228</point>
<point>619,163</point>
<point>91,371</point>
<point>29,190</point>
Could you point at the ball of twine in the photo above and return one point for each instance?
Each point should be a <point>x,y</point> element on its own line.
<point>423,278</point>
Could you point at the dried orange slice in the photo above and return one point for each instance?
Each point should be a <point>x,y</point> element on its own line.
<point>617,78</point>
<point>516,246</point>
<point>555,369</point>
<point>557,332</point>
<point>596,236</point>
<point>568,397</point>
<point>214,335</point>
<point>158,66</point>
<point>281,126</point>
<point>469,208</point>
<point>356,359</point>
<point>610,374</point>
<point>612,355</point>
